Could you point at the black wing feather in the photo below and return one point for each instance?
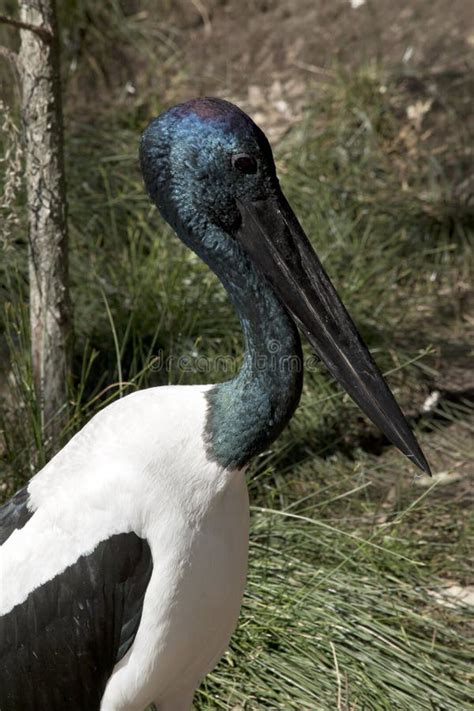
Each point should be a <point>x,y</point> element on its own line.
<point>14,514</point>
<point>59,647</point>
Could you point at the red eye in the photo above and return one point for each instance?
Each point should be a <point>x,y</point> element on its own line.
<point>244,163</point>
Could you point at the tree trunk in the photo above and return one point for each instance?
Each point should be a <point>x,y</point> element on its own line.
<point>50,307</point>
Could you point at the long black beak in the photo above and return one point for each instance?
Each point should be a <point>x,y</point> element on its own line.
<point>272,236</point>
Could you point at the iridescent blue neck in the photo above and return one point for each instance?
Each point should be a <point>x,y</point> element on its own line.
<point>184,160</point>
<point>248,412</point>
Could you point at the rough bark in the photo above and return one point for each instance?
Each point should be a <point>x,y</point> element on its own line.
<point>50,308</point>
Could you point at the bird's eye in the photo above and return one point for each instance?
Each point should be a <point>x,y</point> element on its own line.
<point>244,163</point>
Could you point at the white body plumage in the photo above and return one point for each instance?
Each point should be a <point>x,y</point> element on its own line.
<point>141,465</point>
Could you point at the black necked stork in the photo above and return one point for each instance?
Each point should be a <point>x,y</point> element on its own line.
<point>123,562</point>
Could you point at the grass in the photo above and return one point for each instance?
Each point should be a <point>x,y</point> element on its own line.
<point>348,548</point>
<point>343,635</point>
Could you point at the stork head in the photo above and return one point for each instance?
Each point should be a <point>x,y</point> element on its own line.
<point>199,158</point>
<point>206,165</point>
